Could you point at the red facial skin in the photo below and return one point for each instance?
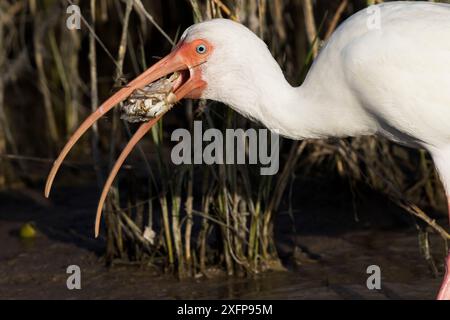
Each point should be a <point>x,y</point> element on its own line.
<point>184,57</point>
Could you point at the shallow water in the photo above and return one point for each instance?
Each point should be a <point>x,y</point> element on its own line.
<point>333,268</point>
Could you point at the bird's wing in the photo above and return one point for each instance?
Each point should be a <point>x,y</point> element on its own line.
<point>401,71</point>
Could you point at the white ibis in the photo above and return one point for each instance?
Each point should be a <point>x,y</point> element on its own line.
<point>393,81</point>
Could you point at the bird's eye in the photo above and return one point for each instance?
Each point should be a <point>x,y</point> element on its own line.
<point>201,49</point>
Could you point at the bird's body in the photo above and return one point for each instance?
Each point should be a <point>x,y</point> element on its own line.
<point>391,77</point>
<point>395,79</point>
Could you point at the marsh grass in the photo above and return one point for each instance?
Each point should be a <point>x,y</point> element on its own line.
<point>184,219</point>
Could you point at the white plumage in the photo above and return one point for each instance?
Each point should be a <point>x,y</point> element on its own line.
<point>391,78</point>
<point>392,81</point>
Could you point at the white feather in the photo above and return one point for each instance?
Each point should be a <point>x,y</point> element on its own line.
<point>394,81</point>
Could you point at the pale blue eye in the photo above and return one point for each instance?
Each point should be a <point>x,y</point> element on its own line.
<point>201,49</point>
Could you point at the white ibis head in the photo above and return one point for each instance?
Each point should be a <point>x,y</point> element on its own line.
<point>205,56</point>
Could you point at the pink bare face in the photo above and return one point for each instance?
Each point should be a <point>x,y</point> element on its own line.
<point>186,58</point>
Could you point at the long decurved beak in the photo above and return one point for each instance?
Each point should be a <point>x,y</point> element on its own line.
<point>175,61</point>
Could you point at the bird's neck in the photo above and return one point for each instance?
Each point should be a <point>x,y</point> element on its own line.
<point>323,106</point>
<point>312,110</point>
<point>290,111</point>
<point>293,112</point>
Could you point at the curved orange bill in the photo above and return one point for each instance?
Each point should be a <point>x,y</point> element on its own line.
<point>143,129</point>
<point>178,60</point>
<point>162,68</point>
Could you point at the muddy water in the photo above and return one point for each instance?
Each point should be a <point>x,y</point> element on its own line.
<point>331,265</point>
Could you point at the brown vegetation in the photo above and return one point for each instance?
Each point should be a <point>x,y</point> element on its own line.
<point>185,218</point>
